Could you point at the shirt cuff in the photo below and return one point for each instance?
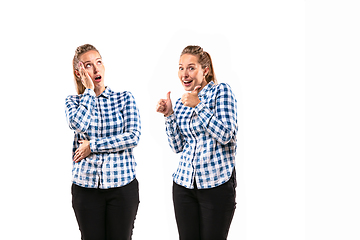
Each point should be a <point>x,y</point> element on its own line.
<point>170,118</point>
<point>93,145</point>
<point>204,113</point>
<point>90,92</point>
<point>199,107</point>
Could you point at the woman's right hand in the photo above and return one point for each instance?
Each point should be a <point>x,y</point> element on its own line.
<point>164,106</point>
<point>85,78</point>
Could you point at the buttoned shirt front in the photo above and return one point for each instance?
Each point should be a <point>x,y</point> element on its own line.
<point>205,136</point>
<point>111,122</point>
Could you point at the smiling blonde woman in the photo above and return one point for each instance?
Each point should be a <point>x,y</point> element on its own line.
<point>202,128</point>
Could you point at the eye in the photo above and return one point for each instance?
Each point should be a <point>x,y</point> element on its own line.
<point>181,68</point>
<point>99,62</point>
<point>87,65</point>
<point>191,68</point>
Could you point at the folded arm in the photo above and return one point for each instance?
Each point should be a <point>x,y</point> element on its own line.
<point>131,135</point>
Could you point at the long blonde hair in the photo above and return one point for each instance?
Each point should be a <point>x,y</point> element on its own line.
<point>80,88</point>
<point>204,60</point>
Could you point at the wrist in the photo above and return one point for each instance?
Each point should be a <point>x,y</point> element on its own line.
<point>170,113</point>
<point>197,103</point>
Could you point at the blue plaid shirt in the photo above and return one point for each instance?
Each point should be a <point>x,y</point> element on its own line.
<point>111,122</point>
<point>205,136</point>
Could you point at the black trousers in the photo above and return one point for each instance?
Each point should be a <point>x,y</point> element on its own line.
<point>205,214</point>
<point>106,214</point>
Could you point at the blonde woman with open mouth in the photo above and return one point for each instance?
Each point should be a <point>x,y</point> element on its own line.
<point>106,125</point>
<point>202,127</point>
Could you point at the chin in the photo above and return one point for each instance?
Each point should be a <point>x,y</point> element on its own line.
<point>190,88</point>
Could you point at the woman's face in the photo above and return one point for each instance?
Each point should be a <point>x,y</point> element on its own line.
<point>191,73</point>
<point>94,66</point>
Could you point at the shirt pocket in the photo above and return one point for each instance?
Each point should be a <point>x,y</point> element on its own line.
<point>183,121</point>
<point>94,128</point>
<point>197,129</point>
<point>113,122</point>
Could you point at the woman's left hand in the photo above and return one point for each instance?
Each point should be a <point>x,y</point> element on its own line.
<point>83,151</point>
<point>191,99</point>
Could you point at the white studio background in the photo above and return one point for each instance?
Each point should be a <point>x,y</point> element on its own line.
<point>332,120</point>
<point>293,66</point>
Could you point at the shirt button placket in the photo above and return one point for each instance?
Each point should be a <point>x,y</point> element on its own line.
<point>193,133</point>
<point>99,133</point>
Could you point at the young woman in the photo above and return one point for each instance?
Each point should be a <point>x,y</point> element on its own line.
<point>106,126</point>
<point>202,127</point>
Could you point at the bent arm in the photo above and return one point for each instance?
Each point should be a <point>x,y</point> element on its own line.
<point>129,138</point>
<point>78,110</point>
<point>221,122</point>
<point>175,138</point>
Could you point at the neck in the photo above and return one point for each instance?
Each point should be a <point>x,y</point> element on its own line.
<point>203,84</point>
<point>99,90</point>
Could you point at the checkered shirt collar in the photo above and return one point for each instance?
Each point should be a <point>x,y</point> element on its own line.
<point>206,89</point>
<point>106,93</point>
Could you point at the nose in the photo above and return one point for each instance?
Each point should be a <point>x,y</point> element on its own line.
<point>96,70</point>
<point>184,74</point>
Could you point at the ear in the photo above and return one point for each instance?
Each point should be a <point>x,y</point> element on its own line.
<point>206,70</point>
<point>77,73</point>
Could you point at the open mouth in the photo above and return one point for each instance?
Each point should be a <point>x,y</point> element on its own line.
<point>187,82</point>
<point>98,78</point>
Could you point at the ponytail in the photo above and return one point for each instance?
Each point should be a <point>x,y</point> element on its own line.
<point>211,74</point>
